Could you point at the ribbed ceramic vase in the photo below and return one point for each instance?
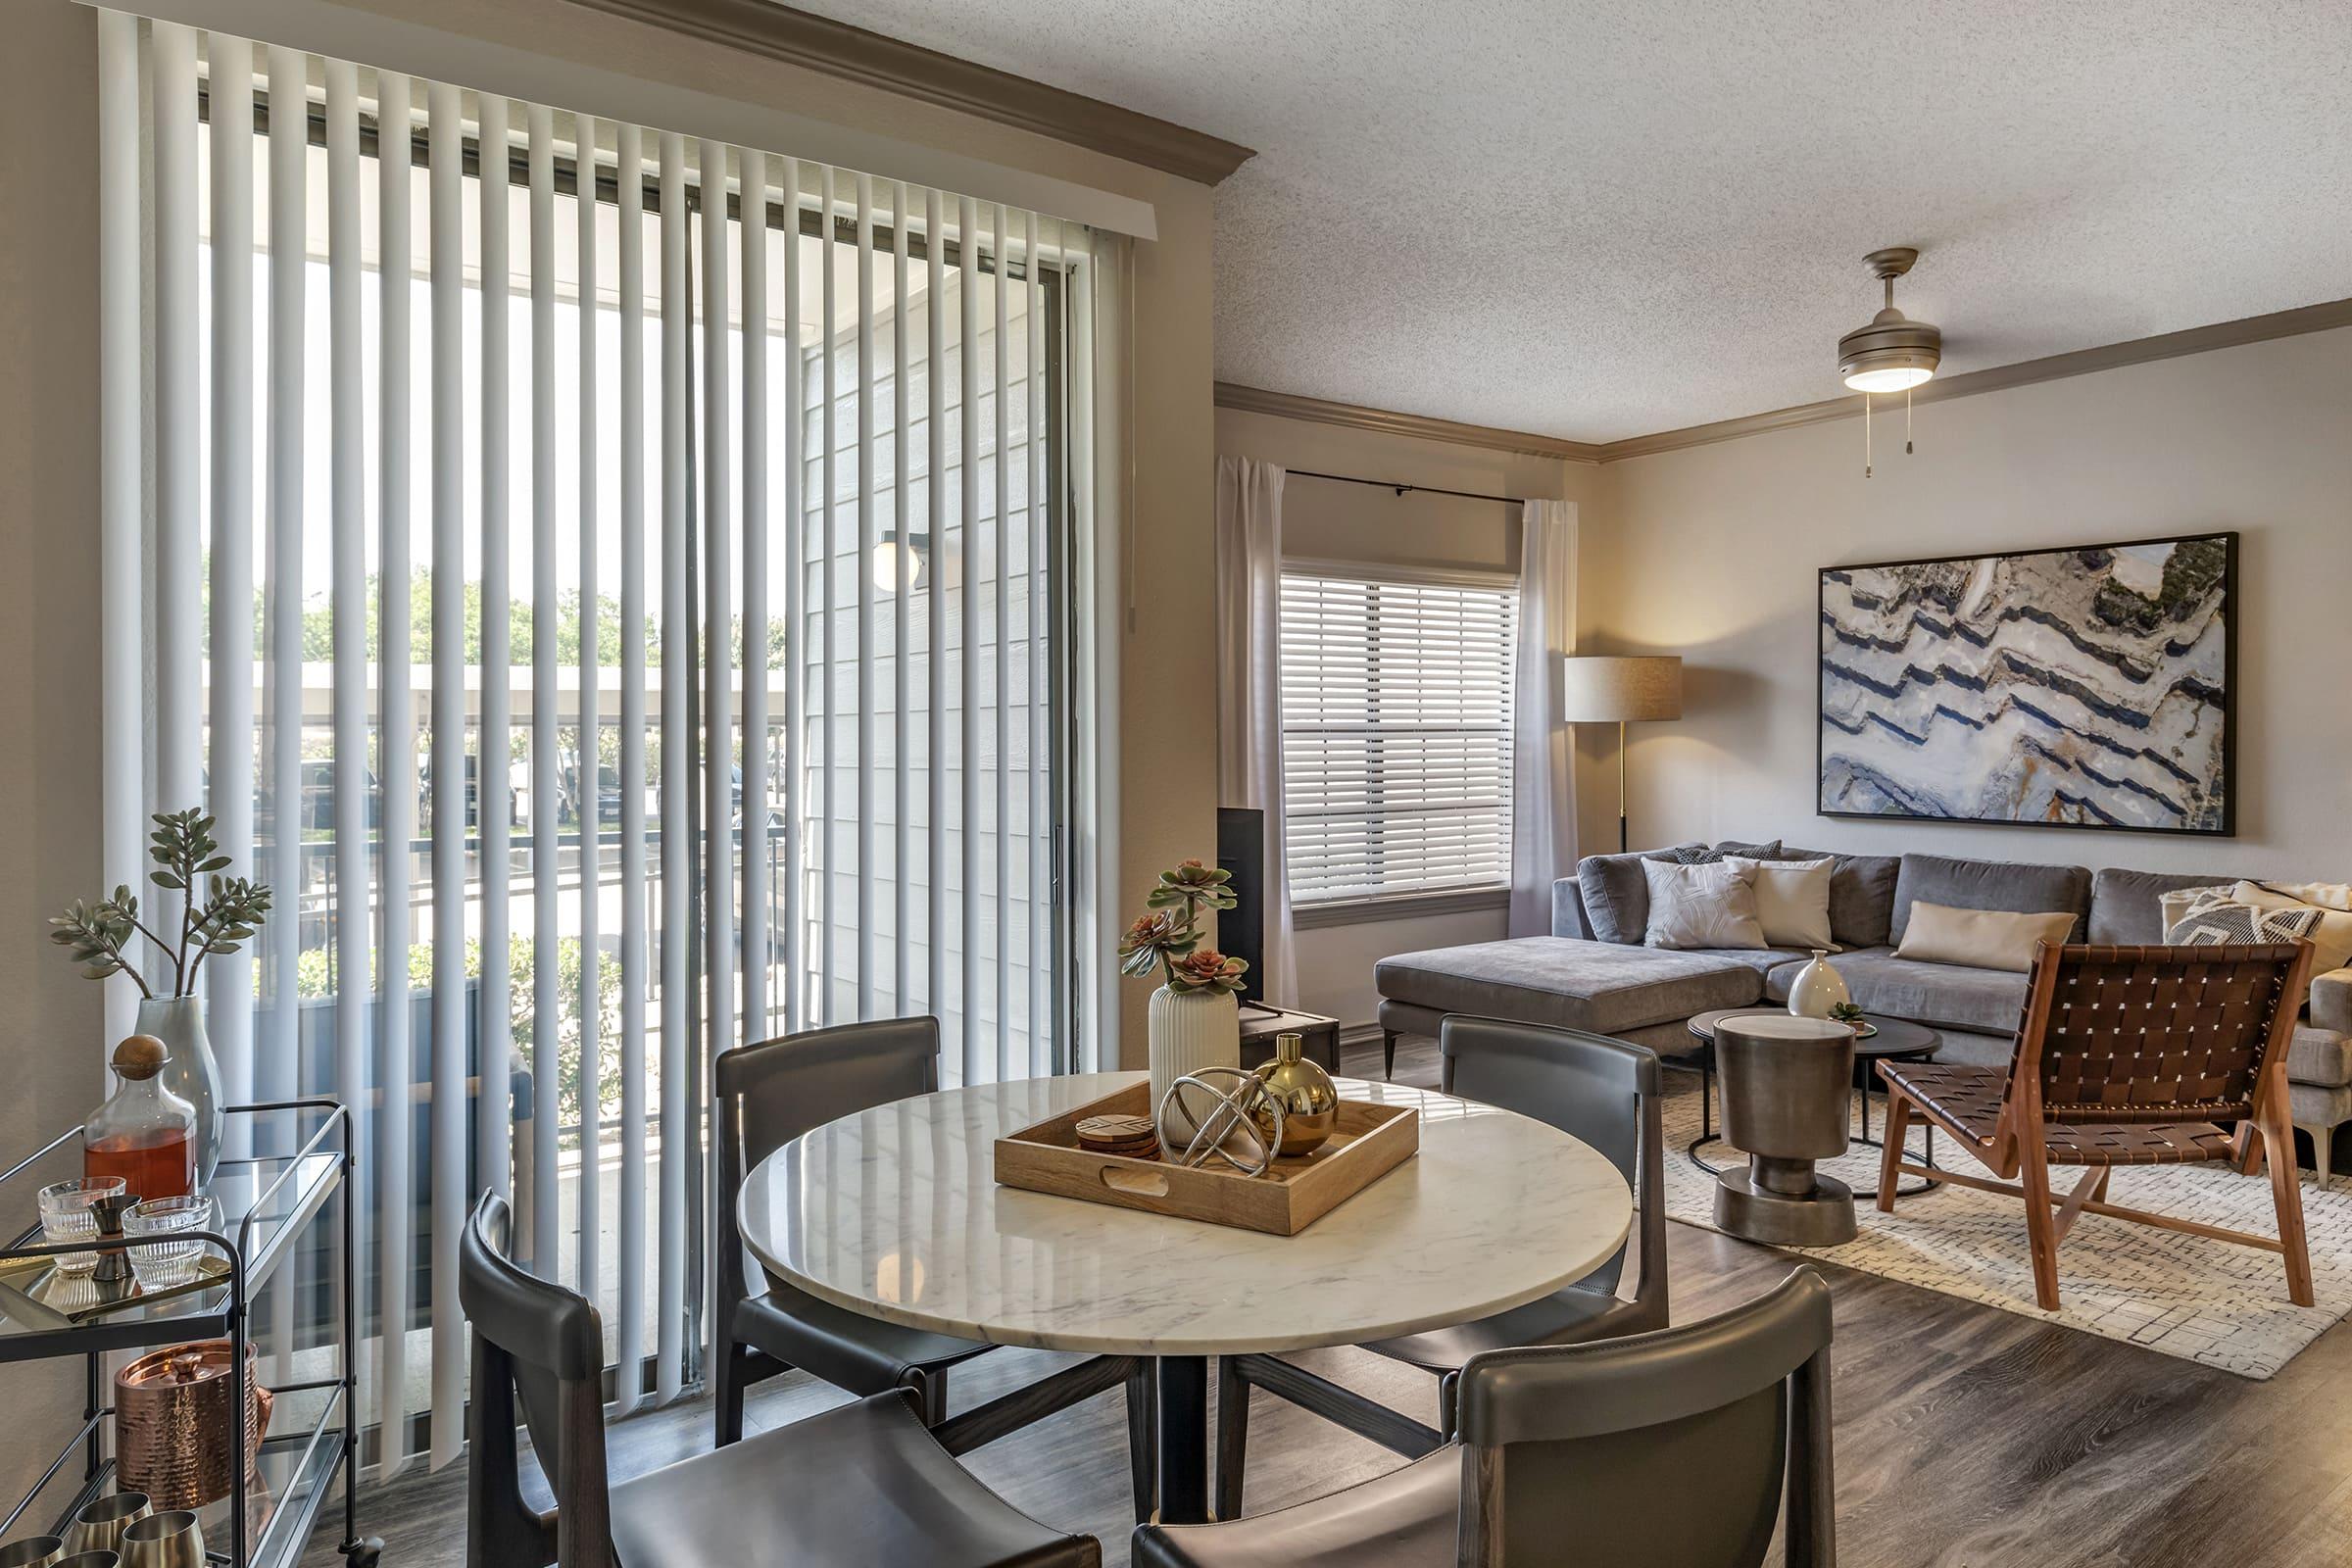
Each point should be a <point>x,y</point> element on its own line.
<point>193,1073</point>
<point>1189,1030</point>
<point>1817,988</point>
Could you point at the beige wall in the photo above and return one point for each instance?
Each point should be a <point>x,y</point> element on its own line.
<point>1321,520</point>
<point>1711,552</point>
<point>1354,522</point>
<point>48,628</point>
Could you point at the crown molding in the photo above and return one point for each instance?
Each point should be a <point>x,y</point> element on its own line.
<point>1999,378</point>
<point>2319,317</point>
<point>870,58</point>
<point>1355,416</point>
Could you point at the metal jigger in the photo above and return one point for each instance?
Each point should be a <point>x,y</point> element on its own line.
<point>113,1264</point>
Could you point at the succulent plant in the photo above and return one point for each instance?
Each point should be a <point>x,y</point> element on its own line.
<point>1206,969</point>
<point>1846,1011</point>
<point>1193,885</point>
<point>1154,940</point>
<point>1167,937</point>
<point>219,914</point>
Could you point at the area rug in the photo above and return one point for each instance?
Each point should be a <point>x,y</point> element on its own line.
<point>2202,1301</point>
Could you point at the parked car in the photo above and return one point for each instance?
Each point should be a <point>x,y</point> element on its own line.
<point>518,800</point>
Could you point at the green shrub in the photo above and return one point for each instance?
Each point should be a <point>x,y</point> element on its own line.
<point>313,978</point>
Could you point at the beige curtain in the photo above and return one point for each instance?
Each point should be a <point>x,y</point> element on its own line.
<point>1249,688</point>
<point>1543,784</point>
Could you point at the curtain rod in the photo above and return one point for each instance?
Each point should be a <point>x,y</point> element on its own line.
<point>1403,489</point>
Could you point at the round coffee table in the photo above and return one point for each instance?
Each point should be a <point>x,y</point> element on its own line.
<point>1896,1040</point>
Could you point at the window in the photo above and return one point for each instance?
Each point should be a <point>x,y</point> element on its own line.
<point>1396,734</point>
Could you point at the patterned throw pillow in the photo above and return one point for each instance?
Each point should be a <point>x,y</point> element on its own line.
<point>2177,905</point>
<point>1700,854</point>
<point>2222,924</point>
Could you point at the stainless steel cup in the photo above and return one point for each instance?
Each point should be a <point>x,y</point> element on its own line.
<point>100,1525</point>
<point>163,1540</point>
<point>33,1552</point>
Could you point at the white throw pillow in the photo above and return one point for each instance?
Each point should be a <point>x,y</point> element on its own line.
<point>1792,900</point>
<point>2326,895</point>
<point>1701,906</point>
<point>1981,939</point>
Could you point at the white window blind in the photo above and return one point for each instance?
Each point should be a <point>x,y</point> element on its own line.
<point>607,583</point>
<point>1397,735</point>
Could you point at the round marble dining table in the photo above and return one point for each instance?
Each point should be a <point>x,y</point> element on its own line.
<point>895,1212</point>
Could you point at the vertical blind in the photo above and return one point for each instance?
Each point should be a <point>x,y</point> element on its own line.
<point>611,585</point>
<point>1395,735</point>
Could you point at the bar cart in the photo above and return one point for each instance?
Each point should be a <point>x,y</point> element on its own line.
<point>265,1205</point>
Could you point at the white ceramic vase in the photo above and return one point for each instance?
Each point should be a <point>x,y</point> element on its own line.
<point>1189,1030</point>
<point>1818,988</point>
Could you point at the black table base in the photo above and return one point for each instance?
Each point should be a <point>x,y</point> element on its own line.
<point>1184,1440</point>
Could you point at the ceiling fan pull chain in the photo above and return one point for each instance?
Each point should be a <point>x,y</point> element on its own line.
<point>1906,421</point>
<point>1865,435</point>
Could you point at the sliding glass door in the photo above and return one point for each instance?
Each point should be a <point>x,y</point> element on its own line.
<point>614,587</point>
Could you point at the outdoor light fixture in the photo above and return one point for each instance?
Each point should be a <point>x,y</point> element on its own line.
<point>901,563</point>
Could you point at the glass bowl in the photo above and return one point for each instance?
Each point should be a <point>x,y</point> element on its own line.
<point>160,1264</point>
<point>65,1217</point>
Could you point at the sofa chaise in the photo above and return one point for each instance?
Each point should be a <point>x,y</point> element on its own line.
<point>1593,973</point>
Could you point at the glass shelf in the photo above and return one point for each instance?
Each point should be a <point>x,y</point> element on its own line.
<point>28,1330</point>
<point>292,1477</point>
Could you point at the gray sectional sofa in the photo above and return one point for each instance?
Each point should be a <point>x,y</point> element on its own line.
<point>1593,973</point>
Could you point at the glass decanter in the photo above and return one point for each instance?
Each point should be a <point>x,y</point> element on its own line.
<point>144,1133</point>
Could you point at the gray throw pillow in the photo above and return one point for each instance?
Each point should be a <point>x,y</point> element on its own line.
<point>1700,854</point>
<point>2002,886</point>
<point>1616,895</point>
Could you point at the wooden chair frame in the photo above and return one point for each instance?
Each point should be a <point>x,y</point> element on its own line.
<point>2017,1149</point>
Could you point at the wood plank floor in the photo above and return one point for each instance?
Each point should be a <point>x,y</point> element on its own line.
<point>1967,1437</point>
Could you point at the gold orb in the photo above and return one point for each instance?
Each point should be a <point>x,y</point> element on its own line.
<point>1310,1100</point>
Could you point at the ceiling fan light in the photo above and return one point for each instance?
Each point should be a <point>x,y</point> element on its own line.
<point>1892,353</point>
<point>1889,378</point>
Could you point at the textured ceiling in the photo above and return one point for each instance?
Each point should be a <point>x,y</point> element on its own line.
<point>1599,220</point>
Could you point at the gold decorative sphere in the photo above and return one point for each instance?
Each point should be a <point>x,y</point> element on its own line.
<point>1310,1100</point>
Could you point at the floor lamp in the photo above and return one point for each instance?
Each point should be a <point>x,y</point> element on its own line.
<point>1621,691</point>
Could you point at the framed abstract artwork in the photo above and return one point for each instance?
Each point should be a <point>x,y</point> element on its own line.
<point>2093,686</point>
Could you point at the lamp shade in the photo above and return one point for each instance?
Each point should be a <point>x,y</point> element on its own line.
<point>1599,690</point>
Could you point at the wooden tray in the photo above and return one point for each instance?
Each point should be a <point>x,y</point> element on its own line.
<point>1371,1141</point>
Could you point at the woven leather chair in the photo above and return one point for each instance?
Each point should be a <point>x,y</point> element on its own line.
<point>771,1093</point>
<point>1600,1091</point>
<point>2124,1057</point>
<point>862,1484</point>
<point>1684,1447</point>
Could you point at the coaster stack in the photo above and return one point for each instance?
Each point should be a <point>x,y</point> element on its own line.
<point>1131,1136</point>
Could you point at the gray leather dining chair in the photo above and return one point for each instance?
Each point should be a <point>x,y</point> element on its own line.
<point>1685,1446</point>
<point>1601,1092</point>
<point>772,1091</point>
<point>865,1482</point>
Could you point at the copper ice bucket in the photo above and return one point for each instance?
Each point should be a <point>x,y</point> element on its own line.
<point>172,1424</point>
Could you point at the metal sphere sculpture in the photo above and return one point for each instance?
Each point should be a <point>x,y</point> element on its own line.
<point>1220,1114</point>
